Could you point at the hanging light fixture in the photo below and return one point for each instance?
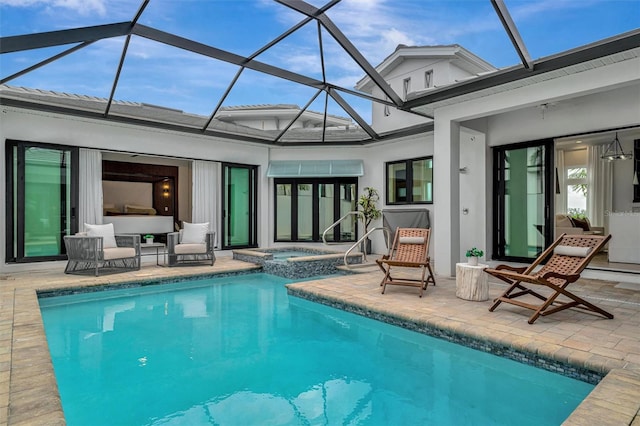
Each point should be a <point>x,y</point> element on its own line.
<point>614,151</point>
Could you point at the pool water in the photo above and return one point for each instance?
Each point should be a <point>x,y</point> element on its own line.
<point>240,351</point>
<point>282,255</point>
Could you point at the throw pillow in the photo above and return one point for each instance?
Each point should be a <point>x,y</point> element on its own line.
<point>572,251</point>
<point>105,231</point>
<point>581,223</point>
<point>194,233</point>
<point>411,240</point>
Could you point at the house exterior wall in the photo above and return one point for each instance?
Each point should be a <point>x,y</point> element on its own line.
<point>35,126</point>
<point>413,69</point>
<point>597,99</point>
<point>374,158</point>
<point>461,215</point>
<point>616,108</point>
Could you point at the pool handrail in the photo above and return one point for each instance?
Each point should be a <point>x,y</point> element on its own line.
<point>362,239</point>
<point>337,222</point>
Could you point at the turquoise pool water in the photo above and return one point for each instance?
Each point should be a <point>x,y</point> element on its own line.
<point>240,351</point>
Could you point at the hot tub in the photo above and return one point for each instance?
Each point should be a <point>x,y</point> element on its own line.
<point>296,262</point>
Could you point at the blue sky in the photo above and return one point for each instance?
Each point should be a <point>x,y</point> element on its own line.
<point>162,75</point>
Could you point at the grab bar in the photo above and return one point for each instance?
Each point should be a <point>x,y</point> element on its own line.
<point>363,238</point>
<point>337,222</point>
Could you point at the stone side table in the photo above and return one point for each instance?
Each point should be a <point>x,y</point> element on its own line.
<point>471,282</point>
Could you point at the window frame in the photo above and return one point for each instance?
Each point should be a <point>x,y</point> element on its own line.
<point>408,163</point>
<point>428,79</point>
<point>315,186</point>
<point>406,87</point>
<point>569,182</point>
<point>16,199</point>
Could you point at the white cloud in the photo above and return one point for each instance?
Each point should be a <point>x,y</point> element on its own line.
<point>539,8</point>
<point>81,7</point>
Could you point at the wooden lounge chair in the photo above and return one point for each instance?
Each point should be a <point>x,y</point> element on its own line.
<point>568,256</point>
<point>410,249</point>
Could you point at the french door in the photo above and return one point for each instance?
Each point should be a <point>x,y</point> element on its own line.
<point>42,199</point>
<point>239,188</point>
<point>306,207</point>
<point>523,200</point>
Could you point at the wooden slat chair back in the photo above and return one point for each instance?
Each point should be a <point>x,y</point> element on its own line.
<point>567,257</point>
<point>410,249</point>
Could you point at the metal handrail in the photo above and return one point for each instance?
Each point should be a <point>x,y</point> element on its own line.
<point>337,222</point>
<point>363,238</point>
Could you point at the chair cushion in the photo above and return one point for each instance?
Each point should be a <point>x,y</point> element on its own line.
<point>118,253</point>
<point>105,231</point>
<point>411,240</point>
<point>572,251</point>
<point>194,233</point>
<point>190,248</point>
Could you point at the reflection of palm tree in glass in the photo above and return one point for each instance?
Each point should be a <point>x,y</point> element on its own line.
<point>577,192</point>
<point>579,173</point>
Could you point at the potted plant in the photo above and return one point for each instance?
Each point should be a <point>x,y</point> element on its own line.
<point>472,256</point>
<point>148,238</point>
<point>367,206</point>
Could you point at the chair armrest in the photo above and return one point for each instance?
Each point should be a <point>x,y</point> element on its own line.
<point>519,270</point>
<point>82,247</point>
<point>173,239</point>
<point>128,240</point>
<point>211,240</point>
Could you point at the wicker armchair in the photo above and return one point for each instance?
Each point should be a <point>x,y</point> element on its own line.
<point>185,253</point>
<point>87,254</point>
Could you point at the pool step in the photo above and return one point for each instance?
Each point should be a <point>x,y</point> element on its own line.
<point>360,268</point>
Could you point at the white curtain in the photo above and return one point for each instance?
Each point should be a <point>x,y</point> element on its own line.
<point>90,187</point>
<point>561,198</point>
<point>205,185</point>
<point>600,182</point>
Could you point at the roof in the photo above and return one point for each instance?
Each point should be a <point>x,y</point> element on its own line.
<point>312,76</point>
<point>458,55</point>
<point>602,53</point>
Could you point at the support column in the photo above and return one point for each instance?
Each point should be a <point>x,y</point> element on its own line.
<point>446,196</point>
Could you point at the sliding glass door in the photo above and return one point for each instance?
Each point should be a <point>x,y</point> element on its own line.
<point>522,200</point>
<point>42,197</point>
<point>239,188</point>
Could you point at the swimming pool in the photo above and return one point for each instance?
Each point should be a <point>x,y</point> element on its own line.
<point>239,351</point>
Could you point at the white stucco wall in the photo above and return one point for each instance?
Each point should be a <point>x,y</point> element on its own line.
<point>596,99</point>
<point>374,158</point>
<point>34,126</point>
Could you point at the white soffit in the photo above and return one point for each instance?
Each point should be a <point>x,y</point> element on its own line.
<point>315,168</point>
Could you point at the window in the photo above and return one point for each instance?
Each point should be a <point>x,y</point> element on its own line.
<point>410,181</point>
<point>428,79</point>
<point>306,207</point>
<point>577,188</point>
<point>406,87</point>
